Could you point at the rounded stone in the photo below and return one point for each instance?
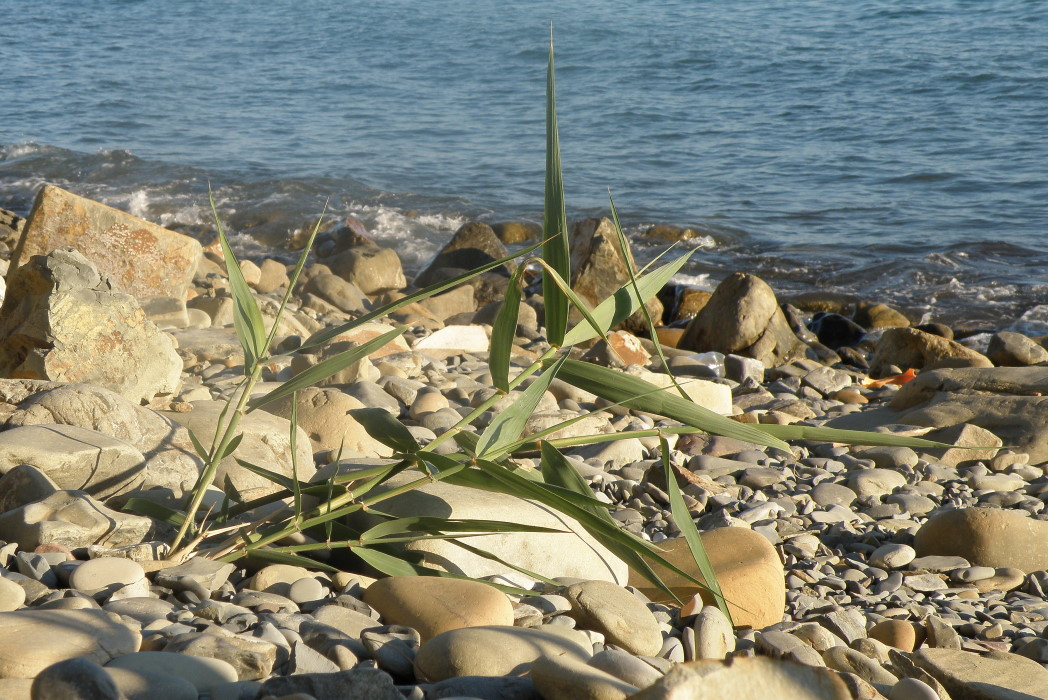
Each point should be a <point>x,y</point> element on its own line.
<point>875,482</point>
<point>900,634</point>
<point>892,556</point>
<point>748,570</point>
<point>74,678</point>
<point>434,605</point>
<point>203,673</point>
<point>616,613</point>
<point>714,636</point>
<point>912,689</point>
<point>106,573</point>
<point>495,651</point>
<point>12,596</point>
<point>306,589</point>
<point>35,639</point>
<point>986,537</point>
<point>148,685</point>
<point>567,678</point>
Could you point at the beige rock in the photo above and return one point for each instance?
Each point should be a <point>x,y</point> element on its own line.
<point>598,269</point>
<point>511,232</point>
<point>714,637</point>
<point>273,276</point>
<point>252,273</point>
<point>372,269</point>
<point>747,567</point>
<point>205,674</point>
<point>12,596</point>
<point>277,578</point>
<point>343,295</point>
<point>460,300</point>
<point>495,651</point>
<point>716,397</point>
<point>880,316</point>
<point>72,519</point>
<point>436,605</point>
<point>74,458</point>
<point>1009,349</point>
<point>35,639</point>
<point>323,413</point>
<point>146,685</point>
<point>253,659</point>
<point>752,678</point>
<point>972,443</point>
<point>909,348</point>
<point>566,677</point>
<point>105,573</point>
<point>997,675</point>
<point>743,318</point>
<point>454,340</point>
<point>171,463</point>
<point>345,619</point>
<point>572,552</point>
<point>987,537</point>
<point>616,613</point>
<point>140,258</point>
<point>266,442</point>
<point>61,321</point>
<point>901,634</point>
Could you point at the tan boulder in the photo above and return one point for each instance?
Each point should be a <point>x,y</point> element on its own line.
<point>323,413</point>
<point>372,269</point>
<point>747,567</point>
<point>598,270</point>
<point>986,537</point>
<point>909,348</point>
<point>743,317</point>
<point>35,639</point>
<point>997,675</point>
<point>72,519</point>
<point>436,605</point>
<point>620,616</point>
<point>139,257</point>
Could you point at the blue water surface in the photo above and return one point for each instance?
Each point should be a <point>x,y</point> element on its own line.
<point>894,150</point>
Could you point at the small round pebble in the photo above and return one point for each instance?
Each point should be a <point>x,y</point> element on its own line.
<point>912,689</point>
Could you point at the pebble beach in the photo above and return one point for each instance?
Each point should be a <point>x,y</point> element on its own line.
<point>851,571</point>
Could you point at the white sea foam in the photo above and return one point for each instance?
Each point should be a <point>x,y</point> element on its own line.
<point>699,281</point>
<point>415,238</point>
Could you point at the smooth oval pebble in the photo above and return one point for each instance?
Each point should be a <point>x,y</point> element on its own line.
<point>567,678</point>
<point>306,589</point>
<point>435,605</point>
<point>105,572</point>
<point>973,573</point>
<point>616,613</point>
<point>892,556</point>
<point>203,673</point>
<point>12,596</point>
<point>714,636</point>
<point>495,651</point>
<point>912,689</point>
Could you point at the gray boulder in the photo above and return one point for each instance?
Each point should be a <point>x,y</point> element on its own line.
<point>61,321</point>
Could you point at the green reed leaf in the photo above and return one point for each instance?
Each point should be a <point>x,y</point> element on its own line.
<point>247,319</point>
<point>850,437</point>
<point>509,425</point>
<point>626,301</point>
<point>598,328</point>
<point>380,425</point>
<point>432,525</point>
<point>554,218</point>
<point>682,518</point>
<point>638,394</point>
<point>325,369</point>
<point>503,331</point>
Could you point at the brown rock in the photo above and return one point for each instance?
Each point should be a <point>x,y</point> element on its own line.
<point>139,257</point>
<point>901,634</point>
<point>372,269</point>
<point>511,232</point>
<point>436,605</point>
<point>743,318</point>
<point>986,537</point>
<point>598,270</point>
<point>690,302</point>
<point>972,443</point>
<point>747,567</point>
<point>909,348</point>
<point>748,678</point>
<point>880,316</point>
<point>1009,349</point>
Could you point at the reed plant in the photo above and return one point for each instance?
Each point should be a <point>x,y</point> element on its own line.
<point>482,460</point>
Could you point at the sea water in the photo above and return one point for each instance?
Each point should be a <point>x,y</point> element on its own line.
<point>893,150</point>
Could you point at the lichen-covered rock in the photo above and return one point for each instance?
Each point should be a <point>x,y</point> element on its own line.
<point>62,321</point>
<point>139,257</point>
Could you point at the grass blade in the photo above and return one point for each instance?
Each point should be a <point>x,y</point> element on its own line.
<point>551,274</point>
<point>247,319</point>
<point>682,518</point>
<point>850,437</point>
<point>380,425</point>
<point>325,369</point>
<point>322,337</point>
<point>433,525</point>
<point>626,301</point>
<point>554,218</point>
<point>154,510</point>
<point>636,393</point>
<point>503,331</point>
<point>508,426</point>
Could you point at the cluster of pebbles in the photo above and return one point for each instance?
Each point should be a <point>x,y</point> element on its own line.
<point>869,612</point>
